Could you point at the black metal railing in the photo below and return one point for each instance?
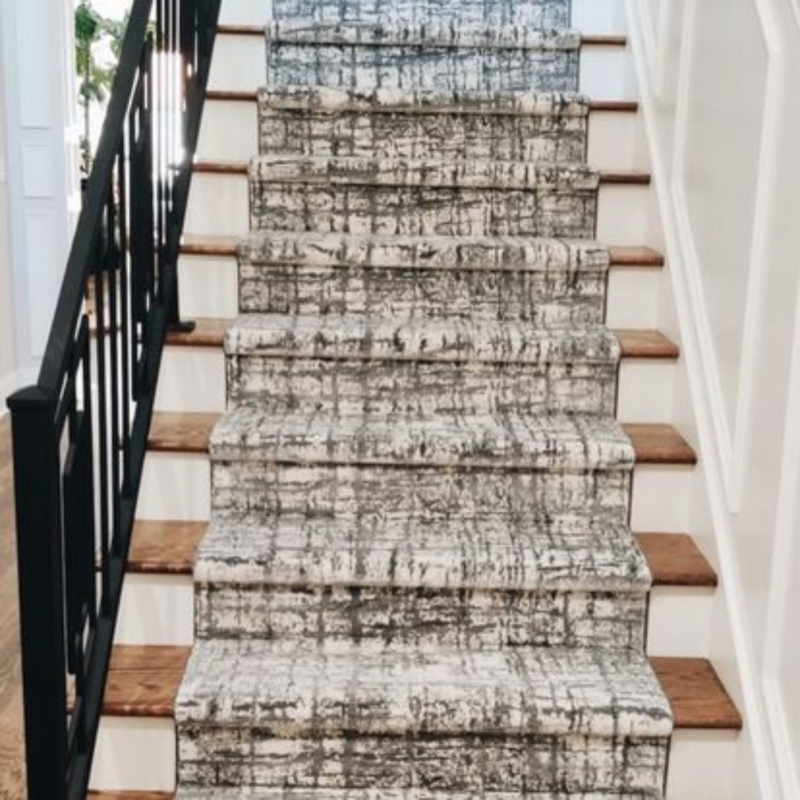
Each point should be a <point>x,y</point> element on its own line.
<point>80,433</point>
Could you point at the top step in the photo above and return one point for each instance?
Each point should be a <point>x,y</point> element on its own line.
<point>532,13</point>
<point>511,58</point>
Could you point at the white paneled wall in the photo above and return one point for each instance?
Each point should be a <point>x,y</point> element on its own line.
<point>718,82</point>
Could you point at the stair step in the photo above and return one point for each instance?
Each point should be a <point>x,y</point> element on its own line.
<point>225,246</point>
<point>490,582</point>
<point>510,719</point>
<point>326,121</point>
<point>539,280</point>
<point>191,432</point>
<point>144,681</point>
<point>465,198</point>
<point>648,344</point>
<point>537,14</point>
<point>507,441</point>
<point>357,363</point>
<point>170,547</point>
<point>497,58</point>
<point>263,793</point>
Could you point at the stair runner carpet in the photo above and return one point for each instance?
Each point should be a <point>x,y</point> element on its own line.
<point>419,582</point>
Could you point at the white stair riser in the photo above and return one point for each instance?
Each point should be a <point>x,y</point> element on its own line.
<point>176,486</point>
<point>159,610</point>
<point>134,754</point>
<point>240,64</point>
<point>219,206</point>
<point>230,131</point>
<point>156,610</point>
<point>208,288</point>
<point>193,379</point>
<point>679,621</point>
<point>632,299</point>
<point>246,12</point>
<point>662,495</point>
<point>698,759</point>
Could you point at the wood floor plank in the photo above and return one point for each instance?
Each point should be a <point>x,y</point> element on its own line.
<point>659,444</point>
<point>638,343</point>
<point>696,694</point>
<point>675,560</point>
<point>634,256</point>
<point>181,432</point>
<point>166,547</point>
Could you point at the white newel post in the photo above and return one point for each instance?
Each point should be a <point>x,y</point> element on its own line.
<point>36,56</point>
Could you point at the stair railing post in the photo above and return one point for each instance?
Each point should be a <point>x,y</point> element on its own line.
<point>37,493</point>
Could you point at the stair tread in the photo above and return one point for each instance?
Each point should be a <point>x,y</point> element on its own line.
<point>634,256</point>
<point>217,793</point>
<point>362,337</point>
<point>225,246</point>
<point>190,432</point>
<point>144,682</point>
<point>170,547</point>
<point>660,444</point>
<point>181,431</point>
<point>640,343</point>
<point>634,343</point>
<point>556,441</point>
<point>165,547</point>
<point>395,101</point>
<point>406,172</point>
<point>676,560</point>
<point>495,253</point>
<point>337,688</point>
<point>571,553</point>
<point>263,793</point>
<point>439,33</point>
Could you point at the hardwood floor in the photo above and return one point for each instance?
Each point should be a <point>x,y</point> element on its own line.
<point>12,776</point>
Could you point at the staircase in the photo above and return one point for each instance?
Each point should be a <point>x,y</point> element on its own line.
<point>419,579</point>
<point>419,574</point>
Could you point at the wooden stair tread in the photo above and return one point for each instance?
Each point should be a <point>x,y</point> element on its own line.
<point>635,256</point>
<point>144,681</point>
<point>696,694</point>
<point>592,39</point>
<point>675,560</point>
<point>165,546</point>
<point>181,432</point>
<point>607,177</point>
<point>169,547</point>
<point>203,245</point>
<point>130,796</point>
<point>620,256</point>
<point>639,343</point>
<point>207,333</point>
<point>659,444</point>
<point>620,106</point>
<point>635,343</point>
<point>188,432</point>
<point>231,95</point>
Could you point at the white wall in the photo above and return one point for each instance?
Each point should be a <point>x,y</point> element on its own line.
<point>8,359</point>
<point>41,186</point>
<point>718,80</point>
